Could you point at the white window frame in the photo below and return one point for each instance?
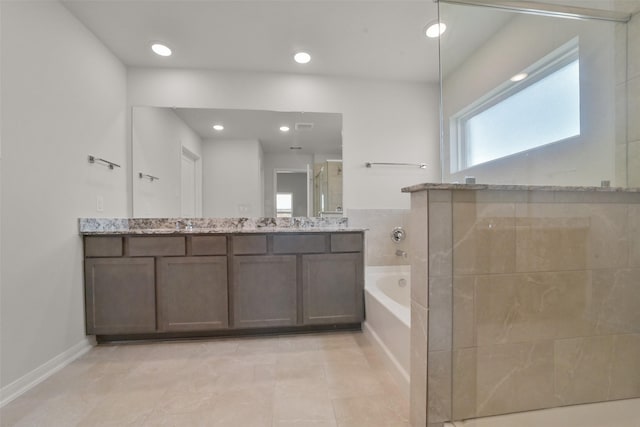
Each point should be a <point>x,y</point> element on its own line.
<point>546,66</point>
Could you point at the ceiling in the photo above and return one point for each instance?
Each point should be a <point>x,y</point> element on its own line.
<point>370,39</point>
<point>325,137</point>
<point>356,38</point>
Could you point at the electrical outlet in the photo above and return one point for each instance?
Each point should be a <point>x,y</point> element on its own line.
<point>100,204</point>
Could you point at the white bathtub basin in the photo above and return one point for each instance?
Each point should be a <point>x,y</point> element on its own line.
<point>388,317</point>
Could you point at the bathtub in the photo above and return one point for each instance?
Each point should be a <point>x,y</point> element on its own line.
<point>618,413</point>
<point>388,317</point>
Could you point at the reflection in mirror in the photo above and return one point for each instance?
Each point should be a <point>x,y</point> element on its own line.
<point>261,163</point>
<point>292,190</point>
<point>530,99</point>
<point>327,179</point>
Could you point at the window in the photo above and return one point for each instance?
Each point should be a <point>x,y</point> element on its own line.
<point>518,116</point>
<point>284,203</point>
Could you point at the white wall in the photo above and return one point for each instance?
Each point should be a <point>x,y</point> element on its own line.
<point>585,160</point>
<point>158,136</point>
<point>63,98</point>
<point>383,121</point>
<point>232,178</point>
<point>273,161</point>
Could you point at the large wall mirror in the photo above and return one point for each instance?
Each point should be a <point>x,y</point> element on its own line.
<point>191,162</point>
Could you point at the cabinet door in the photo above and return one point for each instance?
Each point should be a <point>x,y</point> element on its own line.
<point>192,293</point>
<point>332,288</point>
<point>120,295</point>
<point>264,291</point>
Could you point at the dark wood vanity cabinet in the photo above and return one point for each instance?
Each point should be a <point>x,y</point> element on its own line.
<point>154,285</point>
<point>333,282</point>
<point>264,291</point>
<point>120,295</point>
<point>332,288</point>
<point>192,293</point>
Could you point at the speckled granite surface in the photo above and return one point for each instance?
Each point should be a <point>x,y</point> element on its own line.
<point>210,225</point>
<point>446,186</point>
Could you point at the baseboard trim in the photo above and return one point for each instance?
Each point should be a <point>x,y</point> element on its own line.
<point>42,372</point>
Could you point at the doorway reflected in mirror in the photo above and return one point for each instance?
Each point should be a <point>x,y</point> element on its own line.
<point>236,171</point>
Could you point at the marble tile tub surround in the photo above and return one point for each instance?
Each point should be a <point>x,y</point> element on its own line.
<point>210,225</point>
<point>545,291</point>
<point>379,248</point>
<point>418,254</point>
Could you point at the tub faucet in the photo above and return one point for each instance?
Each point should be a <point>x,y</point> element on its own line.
<point>400,252</point>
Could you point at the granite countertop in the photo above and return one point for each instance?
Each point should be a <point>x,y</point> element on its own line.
<point>501,187</point>
<point>147,226</point>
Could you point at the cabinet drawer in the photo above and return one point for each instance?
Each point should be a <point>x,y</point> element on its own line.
<point>100,246</point>
<point>346,242</point>
<point>244,245</point>
<point>156,246</point>
<point>209,245</point>
<point>299,243</point>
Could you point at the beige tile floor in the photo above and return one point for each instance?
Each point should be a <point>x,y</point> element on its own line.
<point>316,380</point>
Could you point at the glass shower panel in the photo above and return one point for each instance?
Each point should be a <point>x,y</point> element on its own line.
<point>532,100</point>
<point>539,305</point>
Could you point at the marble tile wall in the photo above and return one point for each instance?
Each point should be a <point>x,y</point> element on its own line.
<point>380,249</point>
<point>419,253</point>
<point>431,286</point>
<point>440,288</point>
<point>533,301</point>
<point>546,301</point>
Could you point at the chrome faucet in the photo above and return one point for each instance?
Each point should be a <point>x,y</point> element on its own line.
<point>188,226</point>
<point>400,252</point>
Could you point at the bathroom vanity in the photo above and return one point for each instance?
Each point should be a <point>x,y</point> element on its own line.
<point>167,282</point>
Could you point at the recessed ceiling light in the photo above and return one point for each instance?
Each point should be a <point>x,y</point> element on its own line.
<point>218,127</point>
<point>161,49</point>
<point>284,128</point>
<point>302,57</point>
<point>435,30</point>
<point>519,76</point>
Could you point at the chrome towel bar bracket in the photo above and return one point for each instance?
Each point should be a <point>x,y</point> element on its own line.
<point>110,165</point>
<point>146,175</point>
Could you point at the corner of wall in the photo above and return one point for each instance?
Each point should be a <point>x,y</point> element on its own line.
<point>31,379</point>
